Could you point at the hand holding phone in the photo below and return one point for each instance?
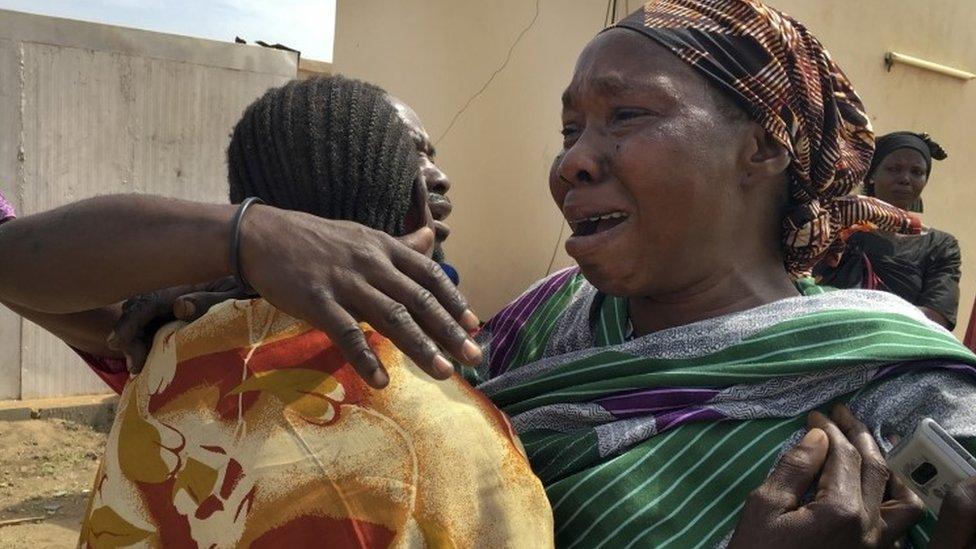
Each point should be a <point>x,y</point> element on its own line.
<point>931,463</point>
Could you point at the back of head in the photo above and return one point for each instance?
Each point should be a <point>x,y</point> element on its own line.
<point>329,146</point>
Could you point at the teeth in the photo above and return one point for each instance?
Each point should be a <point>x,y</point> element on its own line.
<point>611,215</point>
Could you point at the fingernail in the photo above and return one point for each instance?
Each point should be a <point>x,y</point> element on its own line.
<point>443,366</point>
<point>471,351</point>
<point>469,321</point>
<point>379,379</point>
<point>813,437</point>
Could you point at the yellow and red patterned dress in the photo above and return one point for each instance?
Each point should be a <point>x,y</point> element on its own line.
<point>247,428</point>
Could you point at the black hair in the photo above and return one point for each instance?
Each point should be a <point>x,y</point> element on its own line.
<point>330,146</point>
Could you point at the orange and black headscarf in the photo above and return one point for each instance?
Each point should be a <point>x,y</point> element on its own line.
<point>788,83</point>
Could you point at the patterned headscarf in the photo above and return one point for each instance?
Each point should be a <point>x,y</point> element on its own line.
<point>787,82</point>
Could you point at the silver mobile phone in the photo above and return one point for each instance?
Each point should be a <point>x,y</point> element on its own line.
<point>931,463</point>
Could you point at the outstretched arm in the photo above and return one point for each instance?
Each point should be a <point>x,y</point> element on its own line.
<point>333,274</point>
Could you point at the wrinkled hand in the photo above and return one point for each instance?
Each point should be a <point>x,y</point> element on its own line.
<point>335,274</point>
<point>956,528</point>
<point>144,314</point>
<point>849,509</point>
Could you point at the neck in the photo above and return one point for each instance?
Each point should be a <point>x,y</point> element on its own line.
<point>723,291</point>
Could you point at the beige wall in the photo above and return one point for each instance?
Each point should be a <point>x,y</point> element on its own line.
<point>438,54</point>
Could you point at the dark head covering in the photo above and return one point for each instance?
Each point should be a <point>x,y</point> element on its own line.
<point>787,82</point>
<point>921,142</point>
<point>329,146</point>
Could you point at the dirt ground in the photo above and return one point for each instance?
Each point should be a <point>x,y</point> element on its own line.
<point>46,470</point>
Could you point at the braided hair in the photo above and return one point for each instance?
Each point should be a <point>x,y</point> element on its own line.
<point>330,146</point>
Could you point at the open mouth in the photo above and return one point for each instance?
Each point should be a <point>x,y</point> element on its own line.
<point>597,223</point>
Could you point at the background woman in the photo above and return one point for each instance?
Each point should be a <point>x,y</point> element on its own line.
<point>922,269</point>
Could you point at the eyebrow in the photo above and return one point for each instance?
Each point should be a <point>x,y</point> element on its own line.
<point>608,84</point>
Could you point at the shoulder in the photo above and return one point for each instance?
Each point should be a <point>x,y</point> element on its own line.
<point>568,280</point>
<point>522,329</point>
<point>943,244</point>
<point>944,238</point>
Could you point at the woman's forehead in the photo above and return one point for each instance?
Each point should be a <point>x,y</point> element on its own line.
<point>904,156</point>
<point>619,61</point>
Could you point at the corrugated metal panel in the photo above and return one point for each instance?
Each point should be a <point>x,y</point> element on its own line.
<point>100,122</point>
<point>10,187</point>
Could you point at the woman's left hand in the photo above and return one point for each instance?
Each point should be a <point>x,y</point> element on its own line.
<point>144,314</point>
<point>848,510</point>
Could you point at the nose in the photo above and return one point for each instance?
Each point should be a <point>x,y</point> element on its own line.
<point>582,163</point>
<point>437,181</point>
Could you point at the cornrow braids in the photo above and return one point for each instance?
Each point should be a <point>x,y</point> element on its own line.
<point>329,146</point>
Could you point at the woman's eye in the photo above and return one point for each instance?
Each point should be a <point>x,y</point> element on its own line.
<point>628,114</point>
<point>570,134</point>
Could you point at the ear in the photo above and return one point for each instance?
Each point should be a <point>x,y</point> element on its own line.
<point>764,157</point>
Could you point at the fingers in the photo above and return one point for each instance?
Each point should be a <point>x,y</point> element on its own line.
<point>900,512</point>
<point>429,275</point>
<point>391,318</point>
<point>957,518</point>
<point>326,315</point>
<point>427,311</point>
<point>874,470</point>
<point>192,306</point>
<point>840,482</point>
<point>134,330</point>
<point>792,476</point>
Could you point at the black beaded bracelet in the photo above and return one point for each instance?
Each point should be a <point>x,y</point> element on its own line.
<point>235,242</point>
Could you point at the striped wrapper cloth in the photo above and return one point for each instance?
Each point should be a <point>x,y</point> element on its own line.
<point>656,441</point>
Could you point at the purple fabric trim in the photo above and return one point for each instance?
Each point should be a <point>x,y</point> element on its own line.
<point>678,418</point>
<point>505,326</point>
<point>6,210</point>
<point>922,365</point>
<point>648,401</point>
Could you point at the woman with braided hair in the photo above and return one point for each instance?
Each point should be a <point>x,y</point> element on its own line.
<point>922,269</point>
<point>248,428</point>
